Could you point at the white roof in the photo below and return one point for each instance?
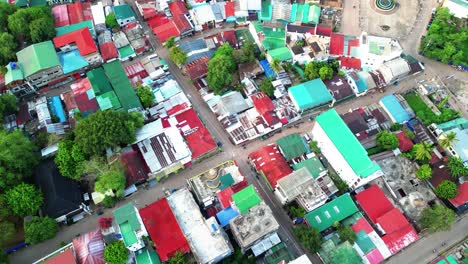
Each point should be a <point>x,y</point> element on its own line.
<point>203,14</point>
<point>98,14</point>
<point>206,238</point>
<point>301,260</point>
<point>458,8</point>
<point>301,183</point>
<point>399,67</point>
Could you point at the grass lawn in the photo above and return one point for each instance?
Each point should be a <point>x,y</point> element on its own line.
<point>426,114</point>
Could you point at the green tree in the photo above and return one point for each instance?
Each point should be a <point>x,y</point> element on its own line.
<point>178,56</point>
<point>39,229</point>
<point>424,172</point>
<point>170,42</point>
<point>422,151</point>
<point>18,23</point>
<point>8,48</point>
<point>326,73</point>
<point>313,145</point>
<point>238,258</point>
<point>111,21</point>
<point>178,258</point>
<point>146,96</point>
<point>69,160</point>
<point>345,255</point>
<point>5,211</point>
<point>24,199</point>
<point>219,75</point>
<point>7,229</point>
<point>339,183</point>
<point>309,237</point>
<point>6,10</point>
<point>457,168</point>
<point>346,233</point>
<point>387,140</point>
<point>448,139</point>
<point>395,127</point>
<point>267,87</point>
<point>7,101</point>
<point>116,253</point>
<point>409,134</point>
<point>438,218</point>
<point>106,129</point>
<point>112,180</point>
<point>247,52</point>
<point>446,190</point>
<point>297,211</point>
<point>276,65</point>
<point>311,71</point>
<point>17,158</point>
<point>42,29</point>
<point>109,201</point>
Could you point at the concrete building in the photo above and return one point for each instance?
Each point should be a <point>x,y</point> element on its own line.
<point>130,226</point>
<point>206,238</point>
<point>14,80</point>
<point>318,172</point>
<point>253,226</point>
<point>124,14</point>
<point>308,95</point>
<point>343,151</point>
<point>458,126</point>
<point>303,188</point>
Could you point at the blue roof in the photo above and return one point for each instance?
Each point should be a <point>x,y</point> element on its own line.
<point>361,83</point>
<point>196,56</point>
<point>226,215</point>
<point>310,94</point>
<point>193,45</point>
<point>269,72</point>
<point>395,109</point>
<point>57,108</point>
<point>72,61</point>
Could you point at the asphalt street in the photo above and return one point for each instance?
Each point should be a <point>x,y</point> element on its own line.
<point>417,253</point>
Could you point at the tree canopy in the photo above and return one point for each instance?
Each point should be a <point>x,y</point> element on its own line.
<point>448,139</point>
<point>7,101</point>
<point>39,229</point>
<point>309,237</point>
<point>321,69</point>
<point>17,158</point>
<point>42,29</point>
<point>438,218</point>
<point>247,52</point>
<point>8,48</point>
<point>146,96</point>
<point>170,42</point>
<point>34,24</point>
<point>446,190</point>
<point>178,258</point>
<point>422,151</point>
<point>346,233</point>
<point>446,39</point>
<point>69,159</point>
<point>387,140</point>
<point>24,199</point>
<point>424,172</point>
<point>111,180</point>
<point>221,68</point>
<point>111,21</point>
<point>7,229</point>
<point>345,255</point>
<point>457,168</point>
<point>116,253</point>
<point>178,56</point>
<point>267,87</point>
<point>106,129</point>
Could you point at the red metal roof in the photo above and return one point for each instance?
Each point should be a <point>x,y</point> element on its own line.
<point>265,108</point>
<point>85,104</point>
<point>108,51</point>
<point>440,174</point>
<point>270,161</point>
<point>178,8</point>
<point>336,44</point>
<point>165,31</point>
<point>229,9</point>
<point>136,69</point>
<point>197,68</point>
<point>60,14</point>
<point>374,256</point>
<point>323,31</point>
<point>64,257</point>
<point>399,232</point>
<point>352,63</point>
<point>163,229</point>
<point>75,12</point>
<point>136,169</point>
<point>230,36</point>
<point>352,43</point>
<point>405,144</point>
<point>82,39</point>
<point>182,23</point>
<point>362,224</point>
<point>225,197</point>
<point>80,86</point>
<point>462,196</point>
<point>89,248</point>
<point>69,101</point>
<point>374,202</point>
<point>197,136</point>
<point>159,19</point>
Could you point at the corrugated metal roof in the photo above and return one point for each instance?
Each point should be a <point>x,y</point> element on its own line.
<point>310,94</point>
<point>82,39</point>
<point>70,28</point>
<point>37,57</point>
<point>122,87</point>
<point>395,109</point>
<point>246,199</point>
<point>313,165</point>
<point>123,12</point>
<point>292,146</point>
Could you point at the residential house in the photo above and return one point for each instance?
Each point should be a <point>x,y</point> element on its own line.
<point>269,163</point>
<point>80,40</point>
<point>130,226</point>
<point>394,109</point>
<point>318,172</point>
<point>65,254</point>
<point>124,14</point>
<point>89,248</point>
<point>308,95</point>
<point>292,147</point>
<point>14,80</point>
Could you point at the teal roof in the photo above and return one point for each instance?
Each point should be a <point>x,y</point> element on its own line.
<point>73,27</point>
<point>314,14</point>
<point>37,57</point>
<point>313,165</point>
<point>125,52</point>
<point>395,109</point>
<point>146,256</point>
<point>310,94</point>
<point>346,143</point>
<point>361,83</point>
<point>364,242</point>
<point>99,81</point>
<point>266,13</point>
<point>72,61</point>
<point>460,122</point>
<point>13,74</point>
<point>127,219</point>
<point>281,54</point>
<point>123,12</point>
<point>122,87</point>
<point>331,212</point>
<point>226,181</point>
<point>108,100</point>
<point>292,146</point>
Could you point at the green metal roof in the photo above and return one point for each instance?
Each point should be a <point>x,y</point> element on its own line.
<point>125,52</point>
<point>128,234</point>
<point>331,212</point>
<point>226,181</point>
<point>281,54</point>
<point>246,199</point>
<point>127,213</point>
<point>123,12</point>
<point>313,165</point>
<point>37,57</point>
<point>461,123</point>
<point>98,79</point>
<point>266,13</point>
<point>13,74</point>
<point>122,87</point>
<point>346,143</point>
<point>314,14</point>
<point>147,257</point>
<point>310,94</point>
<point>108,100</point>
<point>305,14</point>
<point>364,242</point>
<point>292,146</point>
<point>70,28</point>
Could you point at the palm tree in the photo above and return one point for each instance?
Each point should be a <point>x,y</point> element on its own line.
<point>448,139</point>
<point>456,167</point>
<point>276,65</point>
<point>422,151</point>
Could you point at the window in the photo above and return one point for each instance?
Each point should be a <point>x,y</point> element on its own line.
<point>336,209</point>
<point>143,147</point>
<point>327,214</point>
<point>317,218</point>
